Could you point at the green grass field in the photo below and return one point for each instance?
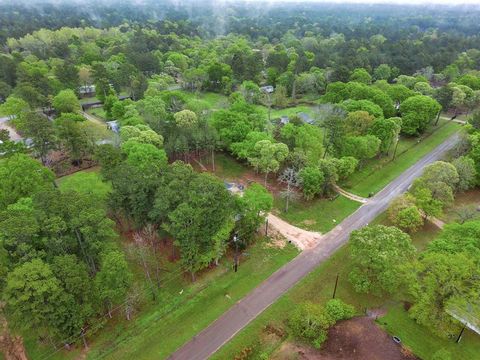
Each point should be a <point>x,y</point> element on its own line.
<point>98,112</point>
<point>377,174</point>
<point>85,182</point>
<point>317,215</point>
<point>422,342</point>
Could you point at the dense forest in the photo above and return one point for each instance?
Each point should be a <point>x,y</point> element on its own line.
<point>185,82</point>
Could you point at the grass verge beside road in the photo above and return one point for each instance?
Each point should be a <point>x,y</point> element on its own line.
<point>317,215</point>
<point>376,175</point>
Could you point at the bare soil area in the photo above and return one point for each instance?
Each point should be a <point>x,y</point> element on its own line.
<point>355,339</point>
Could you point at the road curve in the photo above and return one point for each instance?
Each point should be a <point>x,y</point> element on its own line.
<point>244,311</point>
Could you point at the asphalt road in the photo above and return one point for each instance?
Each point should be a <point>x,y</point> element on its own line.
<point>247,309</point>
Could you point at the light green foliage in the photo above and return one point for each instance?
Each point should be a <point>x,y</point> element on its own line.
<point>22,176</point>
<point>361,147</point>
<point>403,213</point>
<point>246,148</point>
<point>185,119</point>
<point>363,105</point>
<point>386,130</point>
<point>382,72</point>
<point>145,157</point>
<point>114,279</point>
<point>14,107</point>
<point>254,206</point>
<point>72,137</point>
<point>377,253</point>
<point>141,134</point>
<point>267,156</point>
<point>467,174</point>
<point>441,171</point>
<point>66,102</point>
<point>358,123</point>
<point>310,322</point>
<point>198,219</point>
<point>312,181</point>
<point>361,75</point>
<point>36,300</point>
<point>438,277</point>
<point>417,112</point>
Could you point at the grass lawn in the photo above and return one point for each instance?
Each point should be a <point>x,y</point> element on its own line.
<point>422,342</point>
<point>187,308</point>
<point>98,112</point>
<point>227,168</point>
<point>377,174</point>
<point>86,182</point>
<point>318,287</point>
<point>292,111</point>
<point>215,101</point>
<point>317,215</point>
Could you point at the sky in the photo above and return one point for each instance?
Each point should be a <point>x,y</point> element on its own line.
<point>423,2</point>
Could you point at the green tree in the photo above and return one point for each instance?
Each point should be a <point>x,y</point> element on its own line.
<point>377,254</point>
<point>72,138</point>
<point>312,181</point>
<point>417,112</point>
<point>387,130</point>
<point>22,176</point>
<point>42,132</point>
<point>382,72</point>
<point>66,102</point>
<point>358,123</point>
<point>403,213</point>
<point>361,75</point>
<point>467,173</point>
<point>268,156</point>
<point>437,279</point>
<point>114,279</point>
<point>36,301</point>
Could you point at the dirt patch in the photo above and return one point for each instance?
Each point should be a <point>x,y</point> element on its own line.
<point>355,339</point>
<point>10,346</point>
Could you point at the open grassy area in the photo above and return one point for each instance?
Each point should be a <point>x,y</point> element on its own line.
<point>422,342</point>
<point>98,112</point>
<point>318,287</point>
<point>85,182</point>
<point>317,215</point>
<point>227,168</point>
<point>377,174</point>
<point>186,308</point>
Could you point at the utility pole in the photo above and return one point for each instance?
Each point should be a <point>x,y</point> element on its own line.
<point>460,335</point>
<point>335,288</point>
<point>235,258</point>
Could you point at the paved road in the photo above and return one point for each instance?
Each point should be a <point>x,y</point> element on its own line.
<point>231,322</point>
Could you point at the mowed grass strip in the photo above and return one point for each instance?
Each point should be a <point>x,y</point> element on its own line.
<point>375,176</point>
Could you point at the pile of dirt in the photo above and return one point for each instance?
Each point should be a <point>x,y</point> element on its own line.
<point>355,339</point>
